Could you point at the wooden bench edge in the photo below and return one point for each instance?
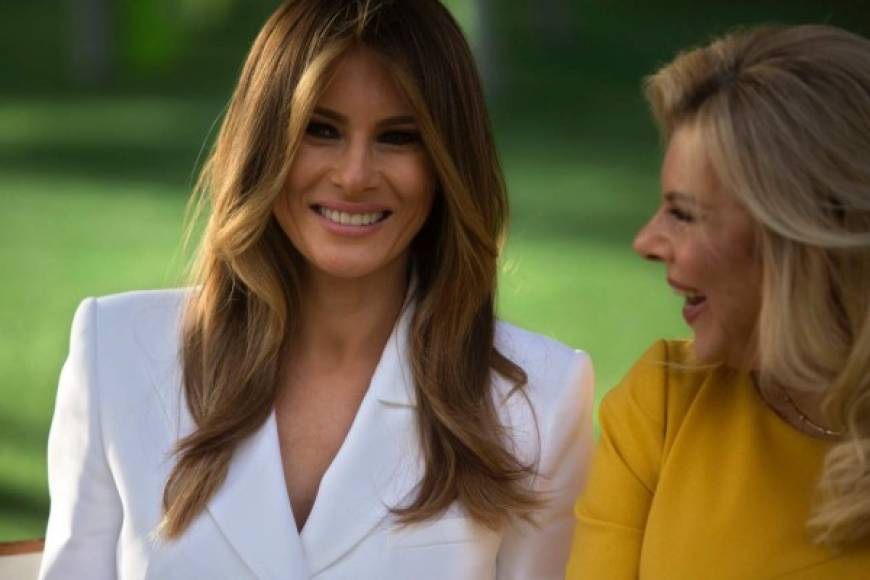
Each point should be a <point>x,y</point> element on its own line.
<point>21,547</point>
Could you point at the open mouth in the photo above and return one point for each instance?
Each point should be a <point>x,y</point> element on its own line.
<point>345,218</point>
<point>695,299</point>
<point>695,302</point>
<point>690,295</point>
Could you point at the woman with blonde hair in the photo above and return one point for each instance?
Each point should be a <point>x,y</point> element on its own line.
<point>746,453</point>
<point>334,398</point>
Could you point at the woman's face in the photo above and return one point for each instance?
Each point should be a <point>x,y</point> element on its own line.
<point>706,240</point>
<point>361,185</point>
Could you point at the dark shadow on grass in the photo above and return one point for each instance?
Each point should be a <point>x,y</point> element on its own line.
<point>171,165</point>
<point>26,434</point>
<point>27,508</point>
<point>15,505</point>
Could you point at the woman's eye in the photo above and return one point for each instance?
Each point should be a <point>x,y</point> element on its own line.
<point>321,130</point>
<point>399,137</point>
<point>681,215</point>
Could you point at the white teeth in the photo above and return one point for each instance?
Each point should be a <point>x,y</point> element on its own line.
<point>350,219</point>
<point>688,294</point>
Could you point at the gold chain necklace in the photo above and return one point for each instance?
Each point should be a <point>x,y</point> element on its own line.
<point>809,423</point>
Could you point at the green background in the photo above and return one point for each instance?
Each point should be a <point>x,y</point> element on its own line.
<point>96,162</point>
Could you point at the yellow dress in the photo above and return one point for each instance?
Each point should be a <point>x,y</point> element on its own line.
<point>695,478</point>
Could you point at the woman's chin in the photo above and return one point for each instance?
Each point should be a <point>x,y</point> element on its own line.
<point>358,267</point>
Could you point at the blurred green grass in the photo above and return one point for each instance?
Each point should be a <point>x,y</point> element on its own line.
<point>94,191</point>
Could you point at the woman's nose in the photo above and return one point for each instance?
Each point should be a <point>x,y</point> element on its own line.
<point>651,244</point>
<point>354,170</point>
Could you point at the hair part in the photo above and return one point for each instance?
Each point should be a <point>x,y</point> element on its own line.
<point>249,289</point>
<point>786,115</point>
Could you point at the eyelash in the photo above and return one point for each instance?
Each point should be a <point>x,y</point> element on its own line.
<point>321,130</point>
<point>398,138</point>
<point>681,215</point>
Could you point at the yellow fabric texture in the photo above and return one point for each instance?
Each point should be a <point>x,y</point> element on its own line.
<point>695,478</point>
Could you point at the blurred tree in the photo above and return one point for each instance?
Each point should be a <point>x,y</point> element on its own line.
<point>483,38</point>
<point>554,20</point>
<point>91,41</point>
<point>477,20</point>
<point>153,34</point>
<point>202,14</point>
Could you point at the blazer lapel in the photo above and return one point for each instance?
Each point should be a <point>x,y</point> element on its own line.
<point>158,334</point>
<point>378,464</point>
<point>253,511</point>
<point>251,508</point>
<point>376,469</point>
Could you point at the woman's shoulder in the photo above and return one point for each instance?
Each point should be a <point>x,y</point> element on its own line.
<point>662,383</point>
<point>125,347</point>
<point>533,352</point>
<point>664,360</point>
<point>126,304</point>
<point>553,369</point>
<point>128,309</point>
<point>146,320</point>
<point>551,415</point>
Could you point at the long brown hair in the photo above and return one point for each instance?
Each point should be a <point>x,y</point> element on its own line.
<point>248,296</point>
<point>786,114</point>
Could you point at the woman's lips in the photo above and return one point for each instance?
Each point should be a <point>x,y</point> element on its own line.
<point>695,302</point>
<point>693,309</point>
<point>351,220</point>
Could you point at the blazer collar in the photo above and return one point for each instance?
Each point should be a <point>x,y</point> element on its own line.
<point>252,510</point>
<point>376,468</point>
<point>395,384</point>
<point>158,333</point>
<point>251,507</point>
<point>392,382</point>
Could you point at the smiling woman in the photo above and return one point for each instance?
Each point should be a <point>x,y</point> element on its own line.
<point>361,184</point>
<point>745,453</point>
<point>708,241</point>
<point>334,397</point>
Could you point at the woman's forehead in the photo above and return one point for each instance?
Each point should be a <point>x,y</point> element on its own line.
<point>687,169</point>
<point>361,79</point>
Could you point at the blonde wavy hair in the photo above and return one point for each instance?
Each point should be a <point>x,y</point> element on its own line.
<point>786,114</point>
<point>248,272</point>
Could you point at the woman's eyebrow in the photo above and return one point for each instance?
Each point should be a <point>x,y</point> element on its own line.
<point>674,196</point>
<point>330,114</point>
<point>387,122</point>
<point>398,120</point>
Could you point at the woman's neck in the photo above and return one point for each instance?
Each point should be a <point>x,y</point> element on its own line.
<point>802,410</point>
<point>344,319</point>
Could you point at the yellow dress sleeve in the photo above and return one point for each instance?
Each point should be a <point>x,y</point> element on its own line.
<point>612,512</point>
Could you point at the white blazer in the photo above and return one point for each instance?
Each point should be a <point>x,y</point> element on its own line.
<point>120,410</point>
